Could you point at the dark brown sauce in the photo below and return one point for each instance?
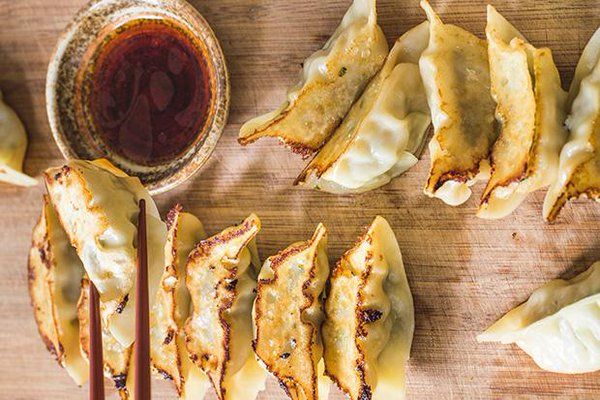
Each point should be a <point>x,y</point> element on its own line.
<point>151,92</point>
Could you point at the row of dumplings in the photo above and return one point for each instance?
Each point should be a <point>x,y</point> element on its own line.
<point>497,106</point>
<point>218,318</point>
<point>221,319</point>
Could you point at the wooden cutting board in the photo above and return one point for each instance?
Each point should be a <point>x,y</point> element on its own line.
<point>464,272</point>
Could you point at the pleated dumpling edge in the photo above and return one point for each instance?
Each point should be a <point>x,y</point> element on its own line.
<point>579,165</point>
<point>288,313</point>
<point>331,80</point>
<point>168,353</point>
<point>369,323</point>
<point>455,72</point>
<point>221,278</point>
<point>530,110</point>
<point>558,326</point>
<point>383,133</point>
<point>97,205</point>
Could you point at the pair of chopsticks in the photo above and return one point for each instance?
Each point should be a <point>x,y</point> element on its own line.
<point>142,325</point>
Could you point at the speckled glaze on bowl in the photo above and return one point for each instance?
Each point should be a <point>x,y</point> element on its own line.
<point>73,58</point>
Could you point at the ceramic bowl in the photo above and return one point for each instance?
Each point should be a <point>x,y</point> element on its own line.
<point>66,94</point>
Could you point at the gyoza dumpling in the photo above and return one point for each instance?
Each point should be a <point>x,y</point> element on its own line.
<point>288,313</point>
<point>54,274</point>
<point>559,326</point>
<point>369,325</point>
<point>579,167</point>
<point>530,110</point>
<point>116,357</point>
<point>13,143</point>
<point>168,351</point>
<point>381,136</point>
<point>221,278</point>
<point>455,71</point>
<point>331,80</point>
<point>97,205</point>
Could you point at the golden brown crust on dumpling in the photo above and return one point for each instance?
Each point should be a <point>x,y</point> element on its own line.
<point>75,182</point>
<point>367,333</point>
<point>220,280</point>
<point>39,263</point>
<point>168,351</point>
<point>164,355</point>
<point>332,79</point>
<point>531,113</point>
<point>584,183</point>
<point>214,361</point>
<point>347,282</point>
<point>250,226</point>
<point>54,280</point>
<point>116,357</point>
<point>271,130</point>
<point>358,388</point>
<point>97,205</point>
<point>384,128</point>
<point>514,154</point>
<point>455,71</point>
<point>288,315</point>
<point>68,186</point>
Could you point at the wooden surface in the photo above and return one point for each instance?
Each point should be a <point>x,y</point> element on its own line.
<point>464,272</point>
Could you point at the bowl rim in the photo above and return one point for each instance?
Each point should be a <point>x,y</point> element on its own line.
<point>222,86</point>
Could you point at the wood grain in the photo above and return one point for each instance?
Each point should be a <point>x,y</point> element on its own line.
<point>464,272</point>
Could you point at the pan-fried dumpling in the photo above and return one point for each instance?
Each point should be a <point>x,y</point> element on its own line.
<point>559,326</point>
<point>116,357</point>
<point>331,80</point>
<point>382,135</point>
<point>288,313</point>
<point>168,351</point>
<point>530,111</point>
<point>221,278</point>
<point>369,325</point>
<point>55,274</point>
<point>579,167</point>
<point>97,205</point>
<point>13,143</point>
<point>455,71</point>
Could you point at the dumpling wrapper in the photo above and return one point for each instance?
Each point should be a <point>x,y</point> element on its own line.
<point>221,278</point>
<point>97,205</point>
<point>288,313</point>
<point>168,351</point>
<point>586,65</point>
<point>54,275</point>
<point>530,110</point>
<point>116,357</point>
<point>382,135</point>
<point>579,167</point>
<point>455,71</point>
<point>13,144</point>
<point>331,80</point>
<point>559,326</point>
<point>369,325</point>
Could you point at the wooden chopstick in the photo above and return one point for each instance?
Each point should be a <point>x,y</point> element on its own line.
<point>96,363</point>
<point>142,325</point>
<point>142,313</point>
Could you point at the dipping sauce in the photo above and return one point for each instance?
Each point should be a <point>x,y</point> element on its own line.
<point>150,92</point>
